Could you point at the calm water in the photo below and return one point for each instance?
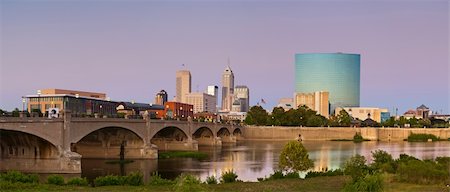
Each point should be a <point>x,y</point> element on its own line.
<point>253,159</point>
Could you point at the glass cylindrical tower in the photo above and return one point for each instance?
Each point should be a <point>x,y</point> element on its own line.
<point>337,73</point>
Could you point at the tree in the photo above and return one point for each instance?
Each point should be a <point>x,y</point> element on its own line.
<point>256,116</point>
<point>356,167</point>
<point>315,121</point>
<point>16,112</point>
<point>344,118</point>
<point>277,116</point>
<point>295,157</point>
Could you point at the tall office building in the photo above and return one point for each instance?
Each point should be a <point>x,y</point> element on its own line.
<point>202,102</point>
<point>317,101</point>
<point>212,90</point>
<point>227,89</point>
<point>183,85</point>
<point>337,73</point>
<point>161,97</point>
<point>242,93</point>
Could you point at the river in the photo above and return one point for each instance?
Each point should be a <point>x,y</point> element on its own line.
<point>254,159</point>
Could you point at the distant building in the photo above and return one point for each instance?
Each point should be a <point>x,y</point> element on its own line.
<point>183,85</point>
<point>232,116</point>
<point>242,93</point>
<point>286,103</point>
<point>177,110</point>
<point>421,112</point>
<point>212,90</point>
<point>134,109</point>
<point>317,101</point>
<point>161,97</point>
<point>237,106</point>
<point>337,73</point>
<point>78,102</point>
<point>362,113</point>
<point>202,102</point>
<point>206,116</point>
<point>227,89</point>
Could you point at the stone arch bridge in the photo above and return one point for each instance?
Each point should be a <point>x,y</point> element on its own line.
<point>56,145</point>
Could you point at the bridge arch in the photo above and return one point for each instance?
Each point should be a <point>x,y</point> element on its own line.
<point>19,144</point>
<point>171,138</point>
<point>81,132</point>
<point>109,142</point>
<point>223,132</point>
<point>55,140</point>
<point>237,131</point>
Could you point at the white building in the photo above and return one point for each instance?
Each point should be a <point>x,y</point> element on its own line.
<point>202,102</point>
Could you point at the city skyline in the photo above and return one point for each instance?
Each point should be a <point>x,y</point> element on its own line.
<point>106,47</point>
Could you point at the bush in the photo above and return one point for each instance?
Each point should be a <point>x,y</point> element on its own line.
<point>358,138</point>
<point>77,181</point>
<point>17,186</point>
<point>156,179</point>
<point>18,177</point>
<point>356,167</point>
<point>278,174</point>
<point>228,177</point>
<point>187,183</point>
<point>335,172</point>
<point>383,161</point>
<point>421,137</point>
<point>134,178</point>
<point>422,172</point>
<point>371,183</point>
<point>294,157</point>
<point>292,175</point>
<point>109,180</point>
<point>211,180</point>
<point>55,180</point>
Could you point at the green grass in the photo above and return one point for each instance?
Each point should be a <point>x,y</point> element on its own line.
<point>184,154</point>
<point>331,183</point>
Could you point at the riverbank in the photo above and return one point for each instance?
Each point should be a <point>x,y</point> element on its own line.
<point>334,183</point>
<point>338,133</point>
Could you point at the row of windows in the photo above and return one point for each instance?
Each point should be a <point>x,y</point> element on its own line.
<point>37,99</point>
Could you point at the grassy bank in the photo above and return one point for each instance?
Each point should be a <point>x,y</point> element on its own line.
<point>333,183</point>
<point>422,137</point>
<point>186,154</point>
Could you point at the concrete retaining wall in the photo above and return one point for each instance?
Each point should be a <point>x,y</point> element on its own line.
<point>330,133</point>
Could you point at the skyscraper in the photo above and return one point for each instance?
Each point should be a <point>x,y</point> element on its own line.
<point>214,91</point>
<point>337,73</point>
<point>161,97</point>
<point>242,94</point>
<point>227,89</point>
<point>183,85</point>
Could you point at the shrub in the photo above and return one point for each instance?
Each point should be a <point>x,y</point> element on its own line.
<point>156,179</point>
<point>187,183</point>
<point>211,180</point>
<point>292,175</point>
<point>335,172</point>
<point>371,183</point>
<point>294,157</point>
<point>134,178</point>
<point>55,180</point>
<point>278,174</point>
<point>228,177</point>
<point>422,172</point>
<point>356,167</point>
<point>421,137</point>
<point>17,186</point>
<point>109,180</point>
<point>383,161</point>
<point>358,138</point>
<point>77,181</point>
<point>18,177</point>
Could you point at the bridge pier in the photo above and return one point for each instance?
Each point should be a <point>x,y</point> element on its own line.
<point>171,145</point>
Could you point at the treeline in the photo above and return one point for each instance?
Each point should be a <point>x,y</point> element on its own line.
<point>304,116</point>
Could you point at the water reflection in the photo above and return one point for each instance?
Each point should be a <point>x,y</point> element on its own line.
<point>253,159</point>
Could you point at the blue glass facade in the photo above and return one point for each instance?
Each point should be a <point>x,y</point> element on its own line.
<point>337,73</point>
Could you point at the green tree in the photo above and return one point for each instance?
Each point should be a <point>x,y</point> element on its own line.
<point>16,112</point>
<point>424,123</point>
<point>383,161</point>
<point>316,121</point>
<point>356,167</point>
<point>294,157</point>
<point>256,116</point>
<point>278,114</point>
<point>344,118</point>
